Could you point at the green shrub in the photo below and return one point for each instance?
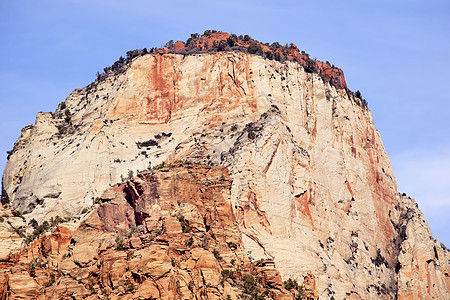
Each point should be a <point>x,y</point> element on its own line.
<point>119,244</point>
<point>51,280</point>
<point>250,285</point>
<point>226,273</point>
<point>32,269</point>
<point>33,223</point>
<point>17,213</point>
<point>255,48</point>
<point>184,224</point>
<point>130,287</point>
<point>291,284</point>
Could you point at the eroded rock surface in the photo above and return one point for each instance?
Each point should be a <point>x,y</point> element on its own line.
<point>312,187</point>
<point>169,234</point>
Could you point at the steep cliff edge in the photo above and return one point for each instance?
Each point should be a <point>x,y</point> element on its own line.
<point>311,185</point>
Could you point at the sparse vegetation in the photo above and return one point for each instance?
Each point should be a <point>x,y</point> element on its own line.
<point>217,255</point>
<point>232,245</point>
<point>5,197</point>
<point>51,280</point>
<point>250,286</point>
<point>191,286</point>
<point>146,144</point>
<point>189,242</point>
<point>119,243</point>
<point>130,287</point>
<point>17,213</point>
<point>39,229</point>
<point>227,273</point>
<point>184,224</point>
<point>379,259</point>
<point>237,44</point>
<point>293,286</point>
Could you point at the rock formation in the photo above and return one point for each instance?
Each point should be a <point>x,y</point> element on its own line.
<point>167,234</point>
<point>308,186</point>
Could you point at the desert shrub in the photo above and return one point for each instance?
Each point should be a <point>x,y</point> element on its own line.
<point>222,46</point>
<point>189,242</point>
<point>51,280</point>
<point>250,285</point>
<point>190,41</point>
<point>277,56</point>
<point>255,48</point>
<point>232,245</point>
<point>33,223</point>
<point>146,144</point>
<point>17,213</point>
<point>251,134</point>
<point>130,287</point>
<point>209,32</point>
<point>184,224</point>
<point>191,286</point>
<point>226,273</point>
<point>134,53</point>
<point>119,244</point>
<point>291,284</point>
<point>217,255</point>
<point>379,259</point>
<point>231,41</point>
<point>310,66</point>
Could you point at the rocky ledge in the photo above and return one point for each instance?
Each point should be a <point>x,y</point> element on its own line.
<point>170,234</point>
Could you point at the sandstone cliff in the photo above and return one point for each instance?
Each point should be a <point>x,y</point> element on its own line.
<point>168,234</point>
<point>311,186</point>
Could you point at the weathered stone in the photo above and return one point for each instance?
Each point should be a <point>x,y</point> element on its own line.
<point>304,178</point>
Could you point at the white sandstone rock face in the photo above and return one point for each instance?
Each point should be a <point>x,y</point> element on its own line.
<point>312,188</point>
<point>422,260</point>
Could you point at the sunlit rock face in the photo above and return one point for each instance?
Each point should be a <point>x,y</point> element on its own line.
<point>311,185</point>
<point>167,234</point>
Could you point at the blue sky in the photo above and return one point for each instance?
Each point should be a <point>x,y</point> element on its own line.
<point>395,52</point>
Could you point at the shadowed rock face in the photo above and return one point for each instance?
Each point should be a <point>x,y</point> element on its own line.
<point>312,187</point>
<point>169,234</point>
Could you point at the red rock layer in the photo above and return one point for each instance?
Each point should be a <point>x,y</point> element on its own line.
<point>220,40</point>
<point>170,234</point>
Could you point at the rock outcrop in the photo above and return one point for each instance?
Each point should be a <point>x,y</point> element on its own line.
<point>168,234</point>
<point>311,186</point>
